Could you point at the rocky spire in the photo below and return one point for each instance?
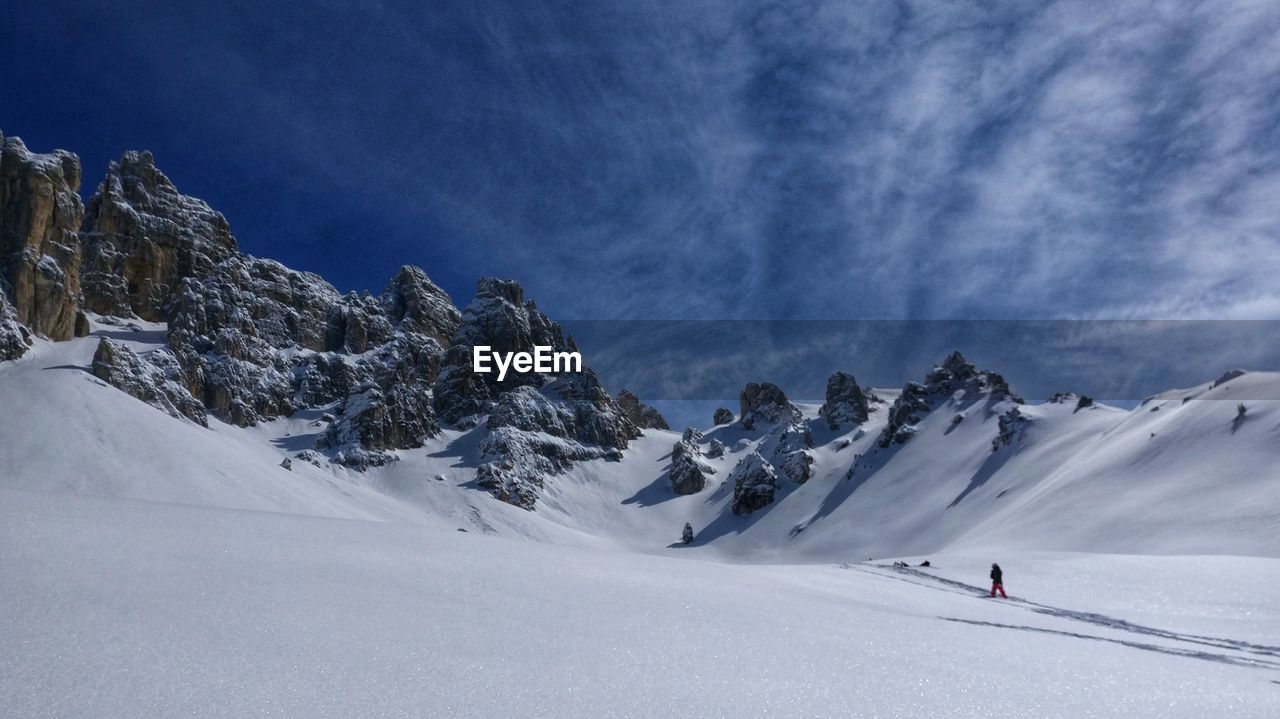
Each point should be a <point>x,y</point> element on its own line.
<point>141,237</point>
<point>40,258</point>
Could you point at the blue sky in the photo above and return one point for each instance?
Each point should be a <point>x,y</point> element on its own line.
<point>700,160</point>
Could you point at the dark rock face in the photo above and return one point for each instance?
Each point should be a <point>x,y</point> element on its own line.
<point>715,449</point>
<point>1228,376</point>
<point>156,379</point>
<point>846,404</point>
<point>641,415</point>
<point>765,402</point>
<point>373,420</point>
<point>538,423</point>
<point>40,256</point>
<point>499,318</point>
<point>755,483</point>
<point>234,329</point>
<point>141,237</point>
<point>955,375</point>
<point>414,304</point>
<point>14,338</point>
<point>1010,423</point>
<point>688,472</point>
<point>722,415</point>
<point>907,410</point>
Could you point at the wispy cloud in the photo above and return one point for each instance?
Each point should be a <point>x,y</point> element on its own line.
<point>745,160</point>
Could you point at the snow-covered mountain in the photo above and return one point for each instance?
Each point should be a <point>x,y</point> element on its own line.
<point>265,388</point>
<point>228,489</point>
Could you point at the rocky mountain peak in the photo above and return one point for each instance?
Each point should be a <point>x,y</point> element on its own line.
<point>414,303</point>
<point>40,257</point>
<point>141,237</point>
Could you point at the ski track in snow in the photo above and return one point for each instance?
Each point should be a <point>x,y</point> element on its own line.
<point>914,576</point>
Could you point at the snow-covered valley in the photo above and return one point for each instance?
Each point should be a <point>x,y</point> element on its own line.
<point>154,567</point>
<point>229,489</point>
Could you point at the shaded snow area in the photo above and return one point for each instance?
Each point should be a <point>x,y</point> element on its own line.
<point>154,567</point>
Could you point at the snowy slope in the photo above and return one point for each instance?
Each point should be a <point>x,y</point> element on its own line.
<point>1178,475</point>
<point>128,609</point>
<point>153,567</point>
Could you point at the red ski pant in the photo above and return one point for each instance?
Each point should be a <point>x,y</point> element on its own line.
<point>998,587</point>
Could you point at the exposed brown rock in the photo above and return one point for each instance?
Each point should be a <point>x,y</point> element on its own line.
<point>40,259</point>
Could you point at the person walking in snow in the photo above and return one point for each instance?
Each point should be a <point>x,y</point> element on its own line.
<point>687,535</point>
<point>997,581</point>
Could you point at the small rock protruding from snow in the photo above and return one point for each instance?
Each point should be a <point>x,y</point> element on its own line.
<point>846,403</point>
<point>287,464</point>
<point>722,415</point>
<point>715,449</point>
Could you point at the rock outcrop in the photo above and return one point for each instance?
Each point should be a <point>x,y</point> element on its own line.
<point>156,379</point>
<point>641,415</point>
<point>755,484</point>
<point>1010,423</point>
<point>688,473</point>
<point>14,338</point>
<point>765,402</point>
<point>142,237</point>
<point>723,415</point>
<point>955,377</point>
<point>373,420</point>
<point>40,257</point>
<point>538,423</point>
<point>846,403</point>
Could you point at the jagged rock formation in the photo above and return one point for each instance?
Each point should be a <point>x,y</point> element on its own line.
<point>755,483</point>
<point>157,379</point>
<point>373,420</point>
<point>723,415</point>
<point>14,338</point>
<point>416,306</point>
<point>538,423</point>
<point>715,449</point>
<point>142,237</point>
<point>40,256</point>
<point>784,453</point>
<point>790,452</point>
<point>846,404</point>
<point>499,318</point>
<point>641,415</point>
<point>907,410</point>
<point>955,375</point>
<point>688,473</point>
<point>765,402</point>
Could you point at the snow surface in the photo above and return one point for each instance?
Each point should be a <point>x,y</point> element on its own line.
<point>152,567</point>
